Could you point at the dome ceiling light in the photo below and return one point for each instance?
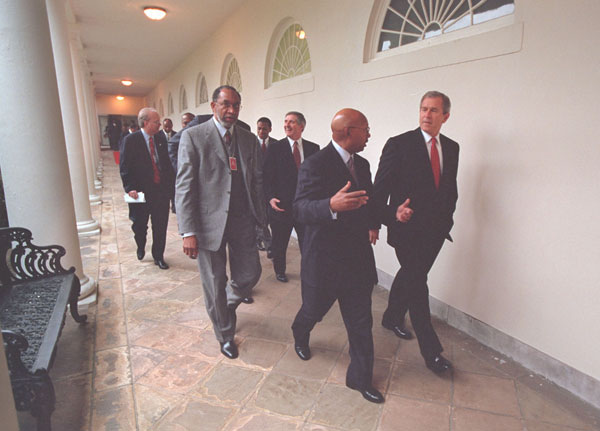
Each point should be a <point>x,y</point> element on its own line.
<point>155,13</point>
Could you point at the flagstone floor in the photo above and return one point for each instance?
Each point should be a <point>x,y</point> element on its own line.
<point>148,359</point>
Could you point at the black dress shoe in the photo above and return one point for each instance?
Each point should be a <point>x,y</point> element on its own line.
<point>303,351</point>
<point>248,300</point>
<point>400,331</point>
<point>260,246</point>
<point>161,263</point>
<point>438,364</point>
<point>269,254</point>
<point>229,349</point>
<point>370,394</point>
<point>141,253</point>
<point>281,277</point>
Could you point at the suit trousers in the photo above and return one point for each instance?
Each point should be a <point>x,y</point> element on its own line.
<point>355,306</point>
<point>156,208</point>
<point>410,292</point>
<point>239,239</point>
<point>281,228</point>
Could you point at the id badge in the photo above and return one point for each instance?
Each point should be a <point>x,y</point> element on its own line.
<point>233,164</point>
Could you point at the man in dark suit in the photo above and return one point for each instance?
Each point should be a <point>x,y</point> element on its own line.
<point>145,167</point>
<point>417,175</point>
<point>263,128</point>
<point>168,128</point>
<point>220,202</point>
<point>337,258</point>
<point>280,170</point>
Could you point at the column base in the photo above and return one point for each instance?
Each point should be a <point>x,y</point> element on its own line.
<point>88,228</point>
<point>95,200</point>
<point>89,291</point>
<point>98,184</point>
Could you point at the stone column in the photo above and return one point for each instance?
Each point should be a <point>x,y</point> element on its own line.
<point>86,225</point>
<point>91,119</point>
<point>89,165</point>
<point>35,170</point>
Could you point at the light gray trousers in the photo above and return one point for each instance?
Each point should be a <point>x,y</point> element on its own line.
<point>239,240</point>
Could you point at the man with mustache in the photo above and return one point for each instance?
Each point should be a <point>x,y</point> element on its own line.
<point>220,202</point>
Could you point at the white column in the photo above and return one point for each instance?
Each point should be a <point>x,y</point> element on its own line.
<point>89,102</point>
<point>86,225</point>
<point>35,172</point>
<point>89,165</point>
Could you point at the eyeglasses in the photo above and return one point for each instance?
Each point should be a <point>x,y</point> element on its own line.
<point>227,105</point>
<point>366,129</point>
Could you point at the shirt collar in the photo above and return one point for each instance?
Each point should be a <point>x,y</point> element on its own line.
<point>291,141</point>
<point>146,136</point>
<point>345,155</point>
<point>222,129</point>
<point>428,137</point>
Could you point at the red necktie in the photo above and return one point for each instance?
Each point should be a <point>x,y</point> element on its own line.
<point>264,146</point>
<point>296,154</point>
<point>435,163</point>
<point>153,158</point>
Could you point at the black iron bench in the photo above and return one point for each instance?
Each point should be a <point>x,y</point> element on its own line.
<point>34,293</point>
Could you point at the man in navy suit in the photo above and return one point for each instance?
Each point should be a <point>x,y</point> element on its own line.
<point>415,192</point>
<point>280,173</point>
<point>145,167</point>
<point>263,128</point>
<point>337,257</point>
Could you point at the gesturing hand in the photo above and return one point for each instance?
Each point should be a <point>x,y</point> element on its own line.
<point>273,202</point>
<point>347,201</point>
<point>404,213</point>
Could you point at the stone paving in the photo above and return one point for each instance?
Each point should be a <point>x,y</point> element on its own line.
<point>148,359</point>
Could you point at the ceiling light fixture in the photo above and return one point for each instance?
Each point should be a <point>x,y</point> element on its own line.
<point>155,13</point>
<point>126,82</point>
<point>300,34</point>
<point>120,98</point>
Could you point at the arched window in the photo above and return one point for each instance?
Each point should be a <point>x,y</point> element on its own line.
<point>201,90</point>
<point>409,21</point>
<point>183,104</point>
<point>231,73</point>
<point>161,108</point>
<point>292,57</point>
<point>170,105</point>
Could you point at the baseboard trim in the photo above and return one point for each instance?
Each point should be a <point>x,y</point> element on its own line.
<point>583,386</point>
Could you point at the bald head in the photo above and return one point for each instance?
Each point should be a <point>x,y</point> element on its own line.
<point>350,129</point>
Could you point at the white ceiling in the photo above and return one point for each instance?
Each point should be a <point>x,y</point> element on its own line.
<point>120,42</point>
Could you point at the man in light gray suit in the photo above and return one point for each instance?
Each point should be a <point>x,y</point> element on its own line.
<point>220,202</point>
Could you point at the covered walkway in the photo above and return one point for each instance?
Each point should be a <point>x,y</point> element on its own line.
<point>148,359</point>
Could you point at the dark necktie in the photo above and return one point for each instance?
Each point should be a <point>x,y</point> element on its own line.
<point>350,165</point>
<point>228,141</point>
<point>296,154</point>
<point>156,172</point>
<point>435,163</point>
<point>264,146</point>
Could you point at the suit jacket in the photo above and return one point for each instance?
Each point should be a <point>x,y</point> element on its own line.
<point>173,142</point>
<point>169,136</point>
<point>281,175</point>
<point>336,253</point>
<point>405,172</point>
<point>136,165</point>
<point>203,184</point>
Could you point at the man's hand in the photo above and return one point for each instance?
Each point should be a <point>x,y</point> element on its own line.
<point>347,201</point>
<point>373,236</point>
<point>190,246</point>
<point>404,213</point>
<point>133,194</point>
<point>273,202</point>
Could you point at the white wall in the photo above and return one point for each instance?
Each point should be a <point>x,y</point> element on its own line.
<point>525,256</point>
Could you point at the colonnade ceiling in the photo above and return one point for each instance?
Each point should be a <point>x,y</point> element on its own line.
<point>120,42</point>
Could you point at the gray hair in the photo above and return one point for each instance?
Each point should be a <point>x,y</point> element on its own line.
<point>445,99</point>
<point>144,114</point>
<point>299,117</point>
